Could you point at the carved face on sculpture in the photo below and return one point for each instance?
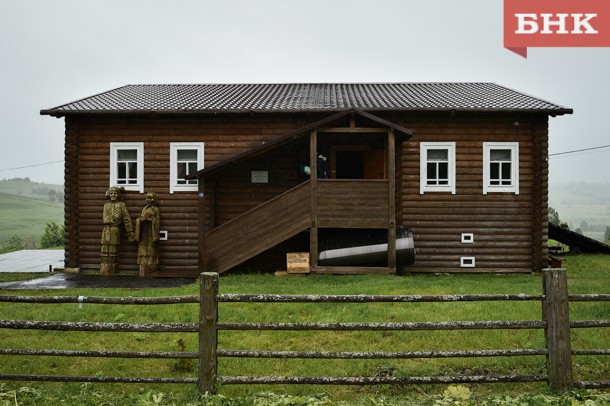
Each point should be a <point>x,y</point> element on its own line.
<point>114,194</point>
<point>151,199</point>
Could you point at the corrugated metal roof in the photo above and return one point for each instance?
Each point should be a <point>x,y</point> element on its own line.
<point>215,98</point>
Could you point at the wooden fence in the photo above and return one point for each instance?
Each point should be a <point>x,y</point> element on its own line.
<point>555,322</point>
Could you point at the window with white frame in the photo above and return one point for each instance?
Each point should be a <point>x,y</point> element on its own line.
<point>501,167</point>
<point>437,167</point>
<point>127,165</point>
<point>186,158</point>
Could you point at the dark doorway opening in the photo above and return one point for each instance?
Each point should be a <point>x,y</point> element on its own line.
<point>350,164</point>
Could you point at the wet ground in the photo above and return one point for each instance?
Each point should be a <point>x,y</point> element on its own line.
<point>31,261</point>
<point>45,261</point>
<point>72,281</point>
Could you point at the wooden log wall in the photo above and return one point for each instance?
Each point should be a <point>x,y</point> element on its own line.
<point>509,229</point>
<point>87,179</point>
<point>352,203</point>
<point>235,193</point>
<point>71,218</point>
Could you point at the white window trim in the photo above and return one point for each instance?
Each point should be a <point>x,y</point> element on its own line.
<point>173,158</point>
<point>467,262</point>
<point>423,167</point>
<point>514,147</point>
<point>467,238</point>
<point>117,146</point>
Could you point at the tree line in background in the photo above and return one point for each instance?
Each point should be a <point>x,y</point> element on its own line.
<point>39,189</point>
<point>54,195</point>
<point>52,237</point>
<point>584,226</point>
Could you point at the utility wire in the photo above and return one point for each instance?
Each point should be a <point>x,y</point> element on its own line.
<point>550,155</point>
<point>30,166</point>
<point>579,150</point>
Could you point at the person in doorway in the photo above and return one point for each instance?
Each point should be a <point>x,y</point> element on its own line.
<point>322,164</point>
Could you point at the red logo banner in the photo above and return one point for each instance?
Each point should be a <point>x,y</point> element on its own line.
<point>555,23</point>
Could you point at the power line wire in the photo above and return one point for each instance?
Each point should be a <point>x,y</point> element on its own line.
<point>579,150</point>
<point>31,166</point>
<point>550,155</point>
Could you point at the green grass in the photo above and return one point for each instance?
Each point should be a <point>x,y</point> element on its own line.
<point>12,277</point>
<point>586,273</point>
<point>26,217</point>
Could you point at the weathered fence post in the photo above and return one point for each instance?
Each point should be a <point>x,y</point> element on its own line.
<point>556,312</point>
<point>208,318</point>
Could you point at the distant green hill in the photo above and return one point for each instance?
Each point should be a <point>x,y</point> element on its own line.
<point>26,188</point>
<point>26,217</point>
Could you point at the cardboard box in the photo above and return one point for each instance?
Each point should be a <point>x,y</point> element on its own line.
<point>297,262</point>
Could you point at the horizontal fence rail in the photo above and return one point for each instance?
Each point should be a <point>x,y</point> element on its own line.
<point>101,354</point>
<point>555,323</point>
<point>93,379</point>
<point>448,325</point>
<point>378,354</point>
<point>102,300</point>
<point>376,380</point>
<point>370,298</point>
<point>100,327</point>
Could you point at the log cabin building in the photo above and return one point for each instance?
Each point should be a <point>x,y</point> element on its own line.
<point>246,173</point>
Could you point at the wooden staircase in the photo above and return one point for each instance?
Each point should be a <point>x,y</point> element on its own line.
<point>257,230</point>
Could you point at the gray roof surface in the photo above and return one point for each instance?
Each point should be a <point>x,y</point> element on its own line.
<point>313,97</point>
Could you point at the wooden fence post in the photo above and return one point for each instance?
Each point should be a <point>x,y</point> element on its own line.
<point>556,312</point>
<point>208,333</point>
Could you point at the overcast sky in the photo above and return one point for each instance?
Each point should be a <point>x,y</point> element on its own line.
<point>53,52</point>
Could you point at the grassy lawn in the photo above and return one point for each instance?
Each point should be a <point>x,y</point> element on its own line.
<point>13,277</point>
<point>586,273</point>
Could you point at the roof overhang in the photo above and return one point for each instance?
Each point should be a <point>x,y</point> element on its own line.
<point>63,113</point>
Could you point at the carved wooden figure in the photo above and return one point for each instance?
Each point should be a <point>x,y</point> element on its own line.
<point>147,235</point>
<point>114,216</point>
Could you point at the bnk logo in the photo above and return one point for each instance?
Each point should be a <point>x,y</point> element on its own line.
<point>555,23</point>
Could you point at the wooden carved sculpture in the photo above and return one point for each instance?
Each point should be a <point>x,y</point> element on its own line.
<point>114,216</point>
<point>147,235</point>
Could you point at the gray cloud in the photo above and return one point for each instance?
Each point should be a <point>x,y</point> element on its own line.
<point>55,52</point>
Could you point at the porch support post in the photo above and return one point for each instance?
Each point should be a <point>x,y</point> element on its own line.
<point>313,176</point>
<point>201,224</point>
<point>391,201</point>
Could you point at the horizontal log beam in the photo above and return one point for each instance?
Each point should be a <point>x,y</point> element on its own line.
<point>591,352</point>
<point>589,323</point>
<point>99,354</point>
<point>351,270</point>
<point>375,380</point>
<point>266,298</point>
<point>378,354</point>
<point>114,327</point>
<point>591,384</point>
<point>450,325</point>
<point>354,130</point>
<point>93,379</point>
<point>589,298</point>
<point>101,300</point>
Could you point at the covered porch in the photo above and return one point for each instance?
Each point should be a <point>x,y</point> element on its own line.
<point>346,185</point>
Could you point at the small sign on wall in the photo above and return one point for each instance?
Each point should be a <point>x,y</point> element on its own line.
<point>260,176</point>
